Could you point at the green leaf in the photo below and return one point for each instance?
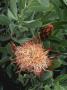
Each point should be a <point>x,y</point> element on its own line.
<point>56,63</point>
<point>47,44</point>
<point>9,71</point>
<point>11,15</point>
<point>1,87</point>
<point>23,4</point>
<point>58,33</point>
<point>33,23</point>
<point>44,3</point>
<point>5,37</point>
<point>47,75</point>
<point>23,79</point>
<point>65,1</point>
<point>4,60</point>
<point>61,78</point>
<point>13,7</point>
<point>58,41</point>
<point>58,86</point>
<point>20,78</point>
<point>21,41</point>
<point>39,5</point>
<point>47,87</point>
<point>4,20</point>
<point>12,28</point>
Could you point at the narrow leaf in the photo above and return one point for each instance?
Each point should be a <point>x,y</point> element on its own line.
<point>4,20</point>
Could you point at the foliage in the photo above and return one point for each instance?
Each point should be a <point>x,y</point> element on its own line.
<point>20,20</point>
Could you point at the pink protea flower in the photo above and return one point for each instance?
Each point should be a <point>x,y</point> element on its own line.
<point>32,57</point>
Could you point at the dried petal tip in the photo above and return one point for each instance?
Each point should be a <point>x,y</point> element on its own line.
<point>13,47</point>
<point>32,57</point>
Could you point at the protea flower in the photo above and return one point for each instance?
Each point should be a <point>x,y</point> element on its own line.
<point>32,57</point>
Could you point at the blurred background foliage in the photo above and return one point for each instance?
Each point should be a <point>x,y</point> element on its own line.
<point>20,20</point>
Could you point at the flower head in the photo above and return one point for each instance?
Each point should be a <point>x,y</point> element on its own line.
<point>32,57</point>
